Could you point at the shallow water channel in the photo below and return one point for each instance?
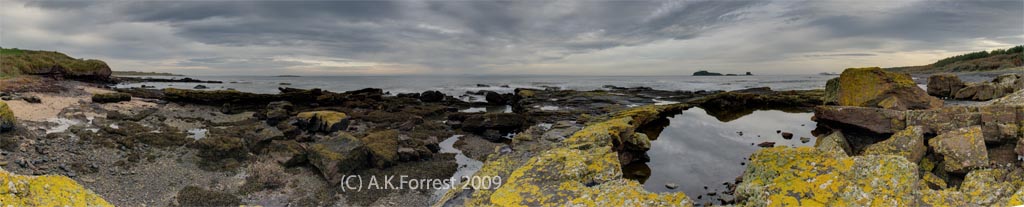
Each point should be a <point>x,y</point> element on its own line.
<point>701,153</point>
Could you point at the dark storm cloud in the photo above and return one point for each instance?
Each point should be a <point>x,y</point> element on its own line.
<point>474,36</point>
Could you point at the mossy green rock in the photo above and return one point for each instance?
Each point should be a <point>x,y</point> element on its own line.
<point>962,149</point>
<point>46,190</point>
<point>323,121</point>
<point>908,143</point>
<point>874,87</point>
<point>987,187</point>
<point>111,97</point>
<point>7,119</point>
<point>383,147</point>
<point>806,176</point>
<point>337,156</point>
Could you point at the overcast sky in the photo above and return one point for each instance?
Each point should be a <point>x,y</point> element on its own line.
<point>572,37</point>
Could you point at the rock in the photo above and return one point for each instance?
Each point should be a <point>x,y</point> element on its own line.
<point>805,139</point>
<point>56,64</point>
<point>383,146</point>
<point>46,190</point>
<point>220,148</point>
<point>525,93</point>
<point>980,92</point>
<point>831,96</point>
<point>407,154</point>
<point>908,143</point>
<point>999,123</point>
<point>933,181</point>
<point>560,130</point>
<point>336,156</point>
<point>873,119</point>
<point>111,97</point>
<point>7,119</point>
<point>501,123</point>
<point>787,135</point>
<point>671,185</point>
<point>200,87</point>
<point>278,111</point>
<point>323,121</point>
<point>1009,81</point>
<point>944,85</point>
<point>286,152</point>
<point>196,196</point>
<point>986,187</point>
<point>31,99</point>
<point>432,96</point>
<point>807,176</point>
<point>1020,148</point>
<point>766,144</point>
<point>834,143</point>
<point>495,98</point>
<point>874,87</point>
<point>962,149</point>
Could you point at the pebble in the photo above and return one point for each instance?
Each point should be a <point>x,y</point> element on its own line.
<point>787,135</point>
<point>671,185</point>
<point>766,144</point>
<point>804,139</point>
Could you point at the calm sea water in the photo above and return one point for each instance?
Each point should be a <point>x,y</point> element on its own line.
<point>456,85</point>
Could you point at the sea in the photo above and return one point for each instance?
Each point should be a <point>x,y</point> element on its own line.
<point>458,84</point>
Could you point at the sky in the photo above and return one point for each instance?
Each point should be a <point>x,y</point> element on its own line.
<point>534,37</point>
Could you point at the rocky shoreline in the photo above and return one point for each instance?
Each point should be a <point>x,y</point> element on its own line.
<point>891,144</point>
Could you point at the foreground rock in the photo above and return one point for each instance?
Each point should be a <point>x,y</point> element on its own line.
<point>999,122</point>
<point>6,118</point>
<point>337,156</point>
<point>323,121</point>
<point>874,87</point>
<point>584,170</point>
<point>962,149</point>
<point>47,190</point>
<point>908,143</point>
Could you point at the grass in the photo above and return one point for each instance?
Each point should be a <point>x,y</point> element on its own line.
<point>14,62</point>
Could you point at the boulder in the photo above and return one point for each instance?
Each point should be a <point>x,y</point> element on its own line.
<point>46,190</point>
<point>1020,148</point>
<point>432,96</point>
<point>7,120</point>
<point>805,176</point>
<point>908,143</point>
<point>278,111</point>
<point>874,119</point>
<point>200,87</point>
<point>323,121</point>
<point>999,123</point>
<point>286,152</point>
<point>834,143</point>
<point>980,92</point>
<point>831,91</point>
<point>962,149</point>
<point>337,156</point>
<point>1009,81</point>
<point>217,148</point>
<point>986,187</point>
<point>495,98</point>
<point>944,85</point>
<point>111,97</point>
<point>383,146</point>
<point>937,121</point>
<point>874,87</point>
<point>501,123</point>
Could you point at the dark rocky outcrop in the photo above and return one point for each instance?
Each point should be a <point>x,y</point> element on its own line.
<point>494,125</point>
<point>323,121</point>
<point>731,105</point>
<point>432,96</point>
<point>944,85</point>
<point>111,97</point>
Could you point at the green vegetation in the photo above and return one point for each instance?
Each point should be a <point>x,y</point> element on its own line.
<point>140,73</point>
<point>1018,50</point>
<point>17,62</point>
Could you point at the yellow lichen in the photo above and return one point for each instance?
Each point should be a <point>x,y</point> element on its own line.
<point>46,190</point>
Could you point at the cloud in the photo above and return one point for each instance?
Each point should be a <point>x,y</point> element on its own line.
<point>515,37</point>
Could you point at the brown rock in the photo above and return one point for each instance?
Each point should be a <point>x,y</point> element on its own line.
<point>944,85</point>
<point>337,156</point>
<point>944,119</point>
<point>874,87</point>
<point>908,143</point>
<point>962,149</point>
<point>999,123</point>
<point>874,119</point>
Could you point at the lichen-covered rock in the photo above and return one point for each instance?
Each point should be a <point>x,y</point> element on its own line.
<point>807,176</point>
<point>988,186</point>
<point>337,156</point>
<point>908,143</point>
<point>831,91</point>
<point>323,121</point>
<point>1017,199</point>
<point>944,85</point>
<point>7,120</point>
<point>111,97</point>
<point>874,87</point>
<point>584,170</point>
<point>1013,99</point>
<point>560,130</point>
<point>948,197</point>
<point>46,190</point>
<point>874,119</point>
<point>962,149</point>
<point>999,123</point>
<point>383,146</point>
<point>834,143</point>
<point>933,181</point>
<point>980,92</point>
<point>944,119</point>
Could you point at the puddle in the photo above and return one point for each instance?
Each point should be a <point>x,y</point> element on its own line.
<point>663,102</point>
<point>696,150</point>
<point>197,133</point>
<point>467,166</point>
<point>489,109</point>
<point>62,124</point>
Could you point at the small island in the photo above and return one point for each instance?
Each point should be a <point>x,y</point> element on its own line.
<point>706,73</point>
<point>287,76</point>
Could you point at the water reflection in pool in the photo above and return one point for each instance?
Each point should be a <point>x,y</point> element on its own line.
<point>697,150</point>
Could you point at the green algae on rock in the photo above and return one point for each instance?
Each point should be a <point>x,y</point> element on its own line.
<point>7,120</point>
<point>338,155</point>
<point>383,146</point>
<point>584,169</point>
<point>46,190</point>
<point>323,121</point>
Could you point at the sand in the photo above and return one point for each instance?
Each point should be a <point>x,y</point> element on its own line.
<point>53,103</point>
